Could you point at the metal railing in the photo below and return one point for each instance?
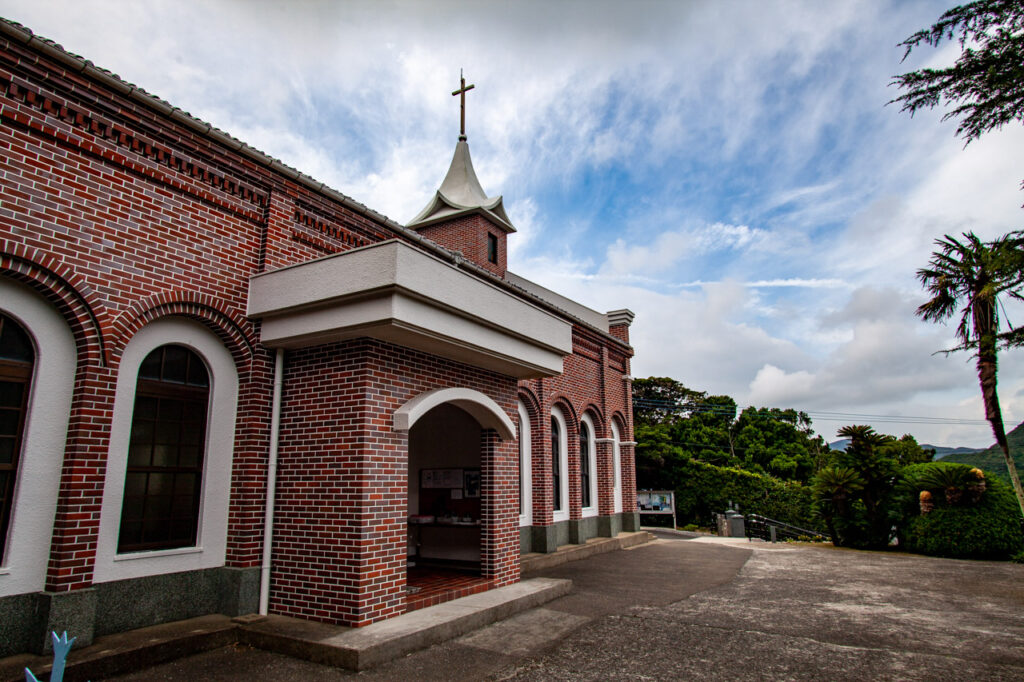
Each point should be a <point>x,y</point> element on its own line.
<point>762,527</point>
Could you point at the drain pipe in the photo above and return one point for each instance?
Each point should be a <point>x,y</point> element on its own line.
<point>268,517</point>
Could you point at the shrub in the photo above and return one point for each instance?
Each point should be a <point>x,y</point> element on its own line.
<point>702,490</point>
<point>963,523</point>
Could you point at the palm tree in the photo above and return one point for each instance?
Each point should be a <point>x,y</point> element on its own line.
<point>968,277</point>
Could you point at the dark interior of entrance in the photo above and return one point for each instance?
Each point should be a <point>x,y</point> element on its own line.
<point>444,492</point>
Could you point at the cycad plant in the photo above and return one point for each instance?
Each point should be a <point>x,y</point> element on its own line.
<point>835,488</point>
<point>967,277</point>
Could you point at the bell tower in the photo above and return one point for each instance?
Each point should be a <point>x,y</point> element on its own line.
<point>461,216</point>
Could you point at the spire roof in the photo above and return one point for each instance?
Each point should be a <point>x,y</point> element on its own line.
<point>460,194</point>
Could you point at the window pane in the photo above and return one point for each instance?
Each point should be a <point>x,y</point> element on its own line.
<point>158,508</point>
<point>165,456</point>
<point>183,507</point>
<point>142,432</point>
<point>175,364</point>
<point>131,534</point>
<point>197,372</point>
<point>150,368</point>
<point>168,432</point>
<point>160,484</point>
<point>145,407</point>
<point>169,409</point>
<point>135,484</point>
<point>9,422</point>
<point>132,508</point>
<point>140,454</point>
<point>11,393</point>
<point>14,342</point>
<point>7,450</point>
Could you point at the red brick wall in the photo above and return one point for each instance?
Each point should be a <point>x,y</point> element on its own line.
<point>592,382</point>
<point>119,215</point>
<point>468,235</point>
<point>340,527</point>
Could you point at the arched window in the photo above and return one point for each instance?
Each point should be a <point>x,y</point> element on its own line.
<point>560,482</point>
<point>588,466</point>
<point>616,468</point>
<point>160,509</point>
<point>16,360</point>
<point>556,465</point>
<point>585,474</point>
<point>525,467</point>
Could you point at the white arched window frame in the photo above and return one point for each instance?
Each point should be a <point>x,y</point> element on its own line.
<point>45,433</point>
<point>561,458</point>
<point>525,468</point>
<point>616,468</point>
<point>591,455</point>
<point>211,542</point>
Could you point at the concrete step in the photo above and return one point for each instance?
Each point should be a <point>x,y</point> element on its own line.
<point>127,651</point>
<point>358,649</point>
<point>353,648</point>
<point>533,562</point>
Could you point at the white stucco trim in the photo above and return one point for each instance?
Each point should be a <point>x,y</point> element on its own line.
<point>398,293</point>
<point>46,428</point>
<point>616,468</point>
<point>211,544</point>
<point>482,408</point>
<point>525,465</point>
<point>592,457</point>
<point>563,465</point>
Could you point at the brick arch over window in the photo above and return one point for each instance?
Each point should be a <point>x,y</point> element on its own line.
<point>620,421</point>
<point>597,417</point>
<point>66,291</point>
<point>572,429</point>
<point>236,332</point>
<point>562,402</point>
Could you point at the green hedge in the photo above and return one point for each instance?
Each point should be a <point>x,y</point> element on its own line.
<point>988,529</point>
<point>702,490</point>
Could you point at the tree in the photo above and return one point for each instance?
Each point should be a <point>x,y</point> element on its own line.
<point>969,276</point>
<point>986,84</point>
<point>777,442</point>
<point>834,489</point>
<point>907,451</point>
<point>660,400</point>
<point>866,455</point>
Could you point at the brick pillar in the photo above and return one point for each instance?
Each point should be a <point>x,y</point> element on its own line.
<point>499,532</point>
<point>77,520</point>
<point>630,516</point>
<point>543,500</point>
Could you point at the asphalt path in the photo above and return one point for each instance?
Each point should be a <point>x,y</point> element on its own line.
<point>716,609</point>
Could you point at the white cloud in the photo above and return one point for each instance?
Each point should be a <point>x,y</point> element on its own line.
<point>728,171</point>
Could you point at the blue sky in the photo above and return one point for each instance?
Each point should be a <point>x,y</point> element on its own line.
<point>729,170</point>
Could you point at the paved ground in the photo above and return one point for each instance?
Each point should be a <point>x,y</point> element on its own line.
<point>709,609</point>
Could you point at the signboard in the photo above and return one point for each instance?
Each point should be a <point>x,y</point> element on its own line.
<point>657,502</point>
<point>441,478</point>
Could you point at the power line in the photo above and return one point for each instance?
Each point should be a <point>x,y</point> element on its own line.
<point>765,413</point>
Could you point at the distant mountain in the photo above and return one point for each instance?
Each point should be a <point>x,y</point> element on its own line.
<point>940,451</point>
<point>992,458</point>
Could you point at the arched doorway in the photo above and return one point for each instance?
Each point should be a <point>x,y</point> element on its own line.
<point>454,493</point>
<point>445,513</point>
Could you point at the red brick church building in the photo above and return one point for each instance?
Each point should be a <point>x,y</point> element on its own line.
<point>227,388</point>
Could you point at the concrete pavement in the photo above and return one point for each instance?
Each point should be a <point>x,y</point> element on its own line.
<point>711,609</point>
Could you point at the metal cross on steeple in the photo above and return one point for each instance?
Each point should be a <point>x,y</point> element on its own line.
<point>462,104</point>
